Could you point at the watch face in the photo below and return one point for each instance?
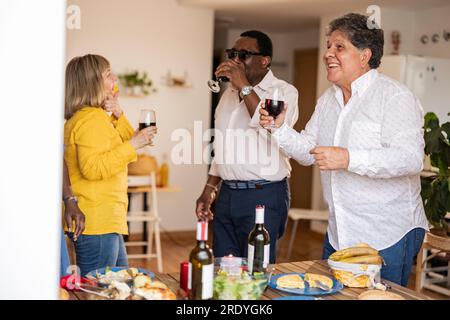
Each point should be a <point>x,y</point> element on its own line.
<point>246,90</point>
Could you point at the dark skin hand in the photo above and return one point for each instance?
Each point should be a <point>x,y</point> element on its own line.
<point>246,73</point>
<point>203,204</point>
<point>72,213</point>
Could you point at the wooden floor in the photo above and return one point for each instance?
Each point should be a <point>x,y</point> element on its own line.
<point>176,247</point>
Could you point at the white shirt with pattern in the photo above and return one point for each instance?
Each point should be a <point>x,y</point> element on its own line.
<point>377,199</point>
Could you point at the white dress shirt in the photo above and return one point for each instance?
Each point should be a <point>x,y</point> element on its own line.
<point>377,199</point>
<point>255,156</point>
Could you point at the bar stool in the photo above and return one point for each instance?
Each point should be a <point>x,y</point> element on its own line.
<point>150,218</point>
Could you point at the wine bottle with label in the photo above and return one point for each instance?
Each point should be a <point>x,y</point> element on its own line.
<point>201,266</point>
<point>258,244</point>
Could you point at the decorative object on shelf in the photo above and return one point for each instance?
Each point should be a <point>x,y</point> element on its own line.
<point>436,187</point>
<point>446,35</point>
<point>162,179</point>
<point>177,81</point>
<point>424,39</point>
<point>395,38</point>
<point>435,38</point>
<point>136,83</point>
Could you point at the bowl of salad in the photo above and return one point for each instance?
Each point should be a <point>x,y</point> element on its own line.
<point>233,281</point>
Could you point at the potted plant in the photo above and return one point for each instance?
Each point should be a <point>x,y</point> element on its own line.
<point>436,187</point>
<point>136,83</point>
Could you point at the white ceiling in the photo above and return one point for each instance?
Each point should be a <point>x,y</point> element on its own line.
<point>286,15</point>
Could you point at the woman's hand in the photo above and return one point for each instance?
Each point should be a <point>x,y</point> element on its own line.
<point>144,137</point>
<point>267,121</point>
<point>112,105</point>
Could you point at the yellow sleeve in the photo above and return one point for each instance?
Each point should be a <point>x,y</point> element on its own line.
<point>123,126</point>
<point>98,157</point>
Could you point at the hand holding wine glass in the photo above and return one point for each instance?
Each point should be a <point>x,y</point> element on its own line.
<point>267,121</point>
<point>144,137</point>
<point>147,129</point>
<point>274,108</point>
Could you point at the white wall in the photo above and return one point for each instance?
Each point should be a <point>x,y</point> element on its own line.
<point>284,46</point>
<point>31,63</point>
<point>157,36</point>
<point>428,22</point>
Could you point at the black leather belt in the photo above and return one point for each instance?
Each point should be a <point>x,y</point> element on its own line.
<point>250,184</point>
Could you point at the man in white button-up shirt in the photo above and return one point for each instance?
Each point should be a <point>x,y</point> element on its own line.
<point>366,137</point>
<point>252,169</point>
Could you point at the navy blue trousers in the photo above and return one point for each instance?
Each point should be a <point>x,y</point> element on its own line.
<point>235,217</point>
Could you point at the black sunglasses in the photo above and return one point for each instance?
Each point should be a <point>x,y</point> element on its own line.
<point>241,54</point>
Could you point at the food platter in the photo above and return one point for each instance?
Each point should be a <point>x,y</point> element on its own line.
<point>122,283</point>
<point>307,290</point>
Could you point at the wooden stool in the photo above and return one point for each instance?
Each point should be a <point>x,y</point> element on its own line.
<point>151,221</point>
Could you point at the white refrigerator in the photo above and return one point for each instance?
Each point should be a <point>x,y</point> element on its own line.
<point>428,78</point>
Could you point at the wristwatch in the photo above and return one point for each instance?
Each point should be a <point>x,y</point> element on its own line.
<point>245,91</point>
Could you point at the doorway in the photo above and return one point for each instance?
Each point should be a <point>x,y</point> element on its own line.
<point>305,80</point>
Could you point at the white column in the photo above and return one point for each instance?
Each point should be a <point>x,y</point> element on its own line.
<point>32,48</point>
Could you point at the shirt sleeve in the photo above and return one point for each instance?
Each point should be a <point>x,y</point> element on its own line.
<point>213,170</point>
<point>96,158</point>
<point>124,127</point>
<point>298,144</point>
<point>402,150</point>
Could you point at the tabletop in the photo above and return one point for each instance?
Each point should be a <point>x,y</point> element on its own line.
<point>318,266</point>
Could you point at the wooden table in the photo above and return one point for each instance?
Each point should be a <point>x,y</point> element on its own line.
<point>319,267</point>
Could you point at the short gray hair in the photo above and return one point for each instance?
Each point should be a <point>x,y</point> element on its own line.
<point>356,28</point>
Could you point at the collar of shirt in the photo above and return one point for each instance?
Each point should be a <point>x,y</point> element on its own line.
<point>359,86</point>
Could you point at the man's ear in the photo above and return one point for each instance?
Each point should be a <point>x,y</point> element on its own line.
<point>265,62</point>
<point>366,55</point>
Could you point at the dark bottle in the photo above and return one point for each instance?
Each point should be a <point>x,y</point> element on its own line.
<point>274,107</point>
<point>258,244</point>
<point>143,125</point>
<point>201,266</point>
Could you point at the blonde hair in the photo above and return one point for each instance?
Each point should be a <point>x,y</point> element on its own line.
<point>84,83</point>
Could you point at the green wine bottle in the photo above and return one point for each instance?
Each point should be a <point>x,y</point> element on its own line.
<point>201,266</point>
<point>258,244</point>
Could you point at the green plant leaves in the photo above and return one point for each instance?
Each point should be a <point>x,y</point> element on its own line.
<point>134,79</point>
<point>435,191</point>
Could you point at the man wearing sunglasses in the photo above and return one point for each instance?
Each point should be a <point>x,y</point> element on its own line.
<point>245,184</point>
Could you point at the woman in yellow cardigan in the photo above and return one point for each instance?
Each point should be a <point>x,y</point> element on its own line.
<point>98,149</point>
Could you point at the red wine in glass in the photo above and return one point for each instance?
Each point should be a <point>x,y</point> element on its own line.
<point>274,107</point>
<point>143,125</point>
<point>147,119</point>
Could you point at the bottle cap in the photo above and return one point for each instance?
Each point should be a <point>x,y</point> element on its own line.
<point>202,231</point>
<point>259,219</point>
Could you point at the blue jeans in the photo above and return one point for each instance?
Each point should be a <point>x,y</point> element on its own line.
<point>99,251</point>
<point>234,217</point>
<point>65,262</point>
<point>398,258</point>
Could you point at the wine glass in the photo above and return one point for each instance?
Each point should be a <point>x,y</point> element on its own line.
<point>214,85</point>
<point>147,119</point>
<point>274,102</point>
